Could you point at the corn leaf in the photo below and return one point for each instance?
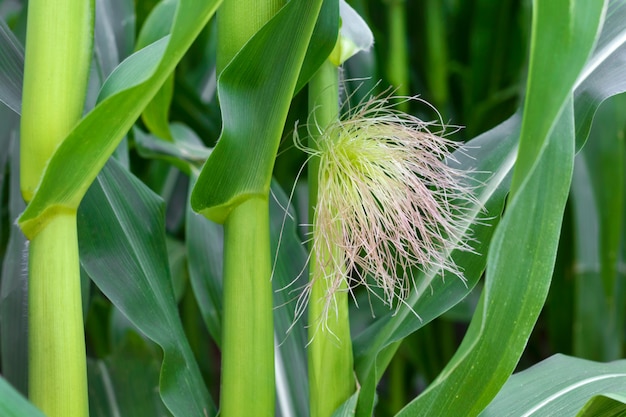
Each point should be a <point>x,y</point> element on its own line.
<point>126,382</point>
<point>560,385</point>
<point>494,152</point>
<point>127,259</point>
<point>607,404</point>
<point>255,91</point>
<point>14,286</point>
<point>521,258</point>
<point>15,405</point>
<point>11,69</point>
<point>597,207</point>
<point>605,73</point>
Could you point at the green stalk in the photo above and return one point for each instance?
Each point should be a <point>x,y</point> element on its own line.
<point>437,52</point>
<point>57,362</point>
<point>58,55</point>
<point>398,61</point>
<point>248,386</point>
<point>248,328</point>
<point>59,42</point>
<point>331,374</point>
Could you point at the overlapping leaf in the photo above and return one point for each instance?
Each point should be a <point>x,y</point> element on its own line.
<point>559,385</point>
<point>255,91</point>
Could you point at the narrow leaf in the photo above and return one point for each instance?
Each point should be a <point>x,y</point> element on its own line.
<point>12,404</point>
<point>14,286</point>
<point>604,74</point>
<point>127,259</point>
<point>559,385</point>
<point>255,91</point>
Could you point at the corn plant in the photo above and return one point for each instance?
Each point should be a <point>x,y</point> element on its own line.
<point>312,208</point>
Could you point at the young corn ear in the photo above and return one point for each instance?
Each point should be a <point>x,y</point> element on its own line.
<point>390,201</point>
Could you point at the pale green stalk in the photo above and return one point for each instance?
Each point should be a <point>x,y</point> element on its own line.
<point>58,54</point>
<point>248,387</point>
<point>57,362</point>
<point>331,375</point>
<point>436,49</point>
<point>248,332</point>
<point>398,60</point>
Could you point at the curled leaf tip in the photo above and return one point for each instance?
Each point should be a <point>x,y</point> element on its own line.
<point>390,201</point>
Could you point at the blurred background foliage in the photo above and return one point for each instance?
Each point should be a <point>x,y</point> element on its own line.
<point>466,57</point>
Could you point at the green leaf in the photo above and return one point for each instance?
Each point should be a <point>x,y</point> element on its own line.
<point>186,152</point>
<point>322,42</point>
<point>605,73</point>
<point>114,34</point>
<point>12,404</point>
<point>11,69</point>
<point>612,404</point>
<point>574,25</point>
<point>496,151</point>
<point>289,275</point>
<point>14,286</point>
<point>519,267</point>
<point>157,25</point>
<point>126,382</point>
<point>521,258</point>
<point>597,207</point>
<point>559,385</point>
<point>205,250</point>
<point>348,408</point>
<point>127,259</point>
<point>255,91</point>
<point>354,36</point>
<point>94,139</point>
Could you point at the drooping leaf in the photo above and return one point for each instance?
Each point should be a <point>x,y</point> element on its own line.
<point>122,246</point>
<point>255,91</point>
<point>559,385</point>
<point>114,38</point>
<point>114,34</point>
<point>156,26</point>
<point>186,151</point>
